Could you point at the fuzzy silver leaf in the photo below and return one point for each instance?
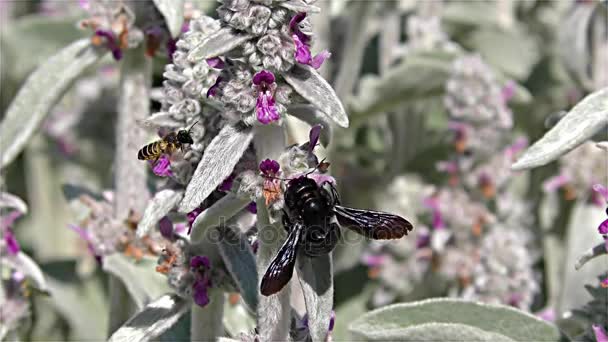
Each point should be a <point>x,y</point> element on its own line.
<point>156,318</point>
<point>26,265</point>
<point>11,201</point>
<point>173,12</point>
<point>157,208</point>
<point>584,120</point>
<point>207,322</point>
<point>42,89</point>
<point>316,278</point>
<point>140,278</point>
<point>218,43</point>
<point>313,87</point>
<point>240,262</point>
<point>599,249</point>
<point>429,318</point>
<point>217,164</point>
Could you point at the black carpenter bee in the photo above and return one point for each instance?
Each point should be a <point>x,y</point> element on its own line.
<point>313,217</point>
<point>166,145</point>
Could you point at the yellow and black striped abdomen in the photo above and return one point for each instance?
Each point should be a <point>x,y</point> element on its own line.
<point>152,151</point>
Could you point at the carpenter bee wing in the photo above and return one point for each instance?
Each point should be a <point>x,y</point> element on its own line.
<point>280,270</point>
<point>373,224</point>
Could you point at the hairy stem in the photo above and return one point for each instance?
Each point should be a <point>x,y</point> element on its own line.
<point>207,321</point>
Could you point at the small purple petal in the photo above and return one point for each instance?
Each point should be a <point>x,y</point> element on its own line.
<point>263,76</point>
<point>162,167</point>
<point>166,228</point>
<point>547,314</point>
<point>508,91</point>
<point>8,220</point>
<point>215,87</point>
<point>313,137</point>
<point>319,59</point>
<point>199,261</point>
<point>216,63</point>
<point>602,190</point>
<point>227,183</point>
<point>604,283</point>
<point>321,179</point>
<point>600,334</point>
<point>110,43</point>
<point>269,167</point>
<point>179,228</point>
<point>11,242</point>
<point>191,216</point>
<point>265,108</point>
<point>555,183</point>
<point>84,4</point>
<point>293,26</point>
<point>171,48</point>
<point>519,145</point>
<point>86,236</point>
<point>423,240</point>
<point>302,53</point>
<point>332,321</point>
<point>603,227</point>
<point>252,208</point>
<point>199,292</point>
<point>374,260</point>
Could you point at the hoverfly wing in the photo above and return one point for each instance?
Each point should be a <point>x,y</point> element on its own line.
<point>373,224</point>
<point>280,270</point>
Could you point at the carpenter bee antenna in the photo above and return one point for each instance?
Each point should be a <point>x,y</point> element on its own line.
<point>193,125</point>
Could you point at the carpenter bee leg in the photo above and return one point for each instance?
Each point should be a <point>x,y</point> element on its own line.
<point>286,221</point>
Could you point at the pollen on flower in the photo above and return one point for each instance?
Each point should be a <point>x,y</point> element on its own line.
<point>272,187</point>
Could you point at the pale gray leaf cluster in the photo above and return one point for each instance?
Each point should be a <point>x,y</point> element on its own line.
<point>42,89</point>
<point>300,6</point>
<point>451,319</point>
<point>588,117</point>
<point>217,164</point>
<point>160,205</point>
<point>154,319</point>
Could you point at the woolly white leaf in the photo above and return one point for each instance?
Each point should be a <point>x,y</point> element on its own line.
<point>316,278</point>
<point>156,318</point>
<point>274,312</point>
<point>312,116</point>
<point>42,89</point>
<point>226,339</point>
<point>300,6</point>
<point>217,164</point>
<point>160,119</point>
<point>269,141</point>
<point>157,208</point>
<point>140,278</point>
<point>581,123</point>
<point>425,320</point>
<point>240,262</point>
<point>173,12</point>
<point>313,87</point>
<point>238,319</point>
<point>26,265</point>
<point>11,201</point>
<point>218,213</point>
<point>218,43</point>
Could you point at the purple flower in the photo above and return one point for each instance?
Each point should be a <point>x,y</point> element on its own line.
<point>373,260</point>
<point>313,137</point>
<point>519,145</point>
<point>269,167</point>
<point>265,107</point>
<point>321,179</point>
<point>548,314</point>
<point>191,216</point>
<point>166,228</point>
<point>171,48</point>
<point>302,42</point>
<point>200,293</point>
<point>86,236</point>
<point>555,183</point>
<point>600,334</point>
<point>162,168</point>
<point>215,87</point>
<point>111,43</point>
<point>8,220</point>
<point>433,204</point>
<point>252,208</point>
<point>423,240</point>
<point>12,245</point>
<point>200,261</point>
<point>601,190</point>
<point>332,321</point>
<point>215,62</point>
<point>507,92</point>
<point>200,266</point>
